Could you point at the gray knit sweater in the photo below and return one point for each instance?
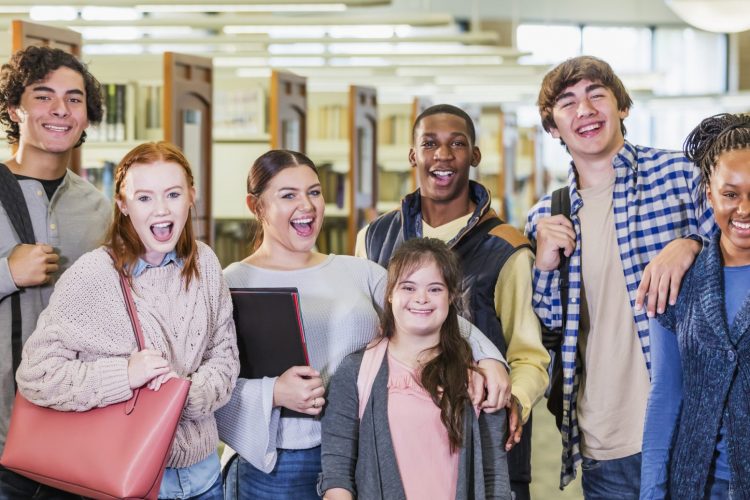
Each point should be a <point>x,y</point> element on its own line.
<point>77,358</point>
<point>358,455</point>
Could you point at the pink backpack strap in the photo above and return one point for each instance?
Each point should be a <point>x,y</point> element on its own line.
<point>371,362</point>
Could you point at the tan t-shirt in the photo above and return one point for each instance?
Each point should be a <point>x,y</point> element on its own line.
<point>615,383</point>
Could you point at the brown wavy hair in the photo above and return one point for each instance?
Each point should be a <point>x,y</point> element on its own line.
<point>122,239</point>
<point>263,170</point>
<point>445,376</point>
<point>34,64</point>
<point>573,71</point>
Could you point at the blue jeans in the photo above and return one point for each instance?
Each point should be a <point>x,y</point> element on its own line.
<point>295,477</point>
<point>718,489</point>
<point>215,492</point>
<point>16,487</point>
<point>608,479</point>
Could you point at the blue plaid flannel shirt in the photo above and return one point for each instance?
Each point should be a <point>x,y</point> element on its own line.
<point>657,199</point>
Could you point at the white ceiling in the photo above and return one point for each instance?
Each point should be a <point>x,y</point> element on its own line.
<point>492,76</point>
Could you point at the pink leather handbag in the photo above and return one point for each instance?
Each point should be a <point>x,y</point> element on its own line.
<point>119,451</point>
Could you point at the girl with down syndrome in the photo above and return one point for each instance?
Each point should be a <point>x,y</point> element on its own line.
<point>399,422</point>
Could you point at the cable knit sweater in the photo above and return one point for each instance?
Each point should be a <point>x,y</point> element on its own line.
<point>77,358</point>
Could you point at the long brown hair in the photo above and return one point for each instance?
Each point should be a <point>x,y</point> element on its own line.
<point>122,239</point>
<point>445,376</point>
<point>264,169</point>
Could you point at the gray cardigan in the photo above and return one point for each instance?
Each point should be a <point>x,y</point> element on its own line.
<point>359,456</point>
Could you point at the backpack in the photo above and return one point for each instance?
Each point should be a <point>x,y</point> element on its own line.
<point>552,339</point>
<point>11,197</point>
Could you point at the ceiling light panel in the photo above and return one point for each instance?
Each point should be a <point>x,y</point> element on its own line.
<point>333,7</point>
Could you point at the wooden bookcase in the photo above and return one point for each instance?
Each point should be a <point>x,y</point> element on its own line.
<point>363,152</point>
<point>188,94</point>
<point>288,124</point>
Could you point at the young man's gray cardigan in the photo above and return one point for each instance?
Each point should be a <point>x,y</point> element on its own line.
<point>359,456</point>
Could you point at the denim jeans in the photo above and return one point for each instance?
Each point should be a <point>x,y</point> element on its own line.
<point>295,477</point>
<point>607,479</point>
<point>215,492</point>
<point>718,489</point>
<point>16,487</point>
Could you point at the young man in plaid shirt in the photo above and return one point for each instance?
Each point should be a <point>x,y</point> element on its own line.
<point>636,224</point>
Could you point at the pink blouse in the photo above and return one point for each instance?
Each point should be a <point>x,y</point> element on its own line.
<point>428,469</point>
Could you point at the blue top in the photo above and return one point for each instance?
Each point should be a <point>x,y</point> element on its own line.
<point>142,265</point>
<point>666,396</point>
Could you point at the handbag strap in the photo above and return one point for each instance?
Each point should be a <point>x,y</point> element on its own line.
<point>132,312</point>
<point>139,339</point>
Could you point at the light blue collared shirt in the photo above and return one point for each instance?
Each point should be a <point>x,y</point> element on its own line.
<point>142,265</point>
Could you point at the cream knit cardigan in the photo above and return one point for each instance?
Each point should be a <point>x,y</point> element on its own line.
<point>77,357</point>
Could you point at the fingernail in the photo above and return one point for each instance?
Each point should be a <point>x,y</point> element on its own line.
<point>650,314</point>
<point>661,310</point>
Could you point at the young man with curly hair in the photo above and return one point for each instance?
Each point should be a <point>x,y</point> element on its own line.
<point>47,99</point>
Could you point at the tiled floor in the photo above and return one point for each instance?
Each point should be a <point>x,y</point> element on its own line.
<point>546,448</point>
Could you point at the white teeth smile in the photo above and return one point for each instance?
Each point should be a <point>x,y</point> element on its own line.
<point>302,221</point>
<point>741,225</point>
<point>589,128</point>
<point>162,224</point>
<point>55,128</point>
<point>442,173</point>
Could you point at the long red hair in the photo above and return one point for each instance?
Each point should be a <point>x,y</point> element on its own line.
<point>122,240</point>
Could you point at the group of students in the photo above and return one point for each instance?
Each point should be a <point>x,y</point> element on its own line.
<point>422,377</point>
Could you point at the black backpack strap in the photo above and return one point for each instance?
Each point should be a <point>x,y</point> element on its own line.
<point>561,206</point>
<point>553,339</point>
<point>11,197</point>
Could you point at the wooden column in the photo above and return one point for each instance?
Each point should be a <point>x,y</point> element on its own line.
<point>363,151</point>
<point>188,95</point>
<point>288,124</point>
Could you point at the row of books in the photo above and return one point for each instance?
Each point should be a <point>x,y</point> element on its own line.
<point>328,122</point>
<point>101,176</point>
<point>394,129</point>
<point>130,113</point>
<point>333,184</point>
<point>114,122</point>
<point>239,113</point>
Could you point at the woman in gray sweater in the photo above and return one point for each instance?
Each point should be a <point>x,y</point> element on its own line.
<point>341,298</point>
